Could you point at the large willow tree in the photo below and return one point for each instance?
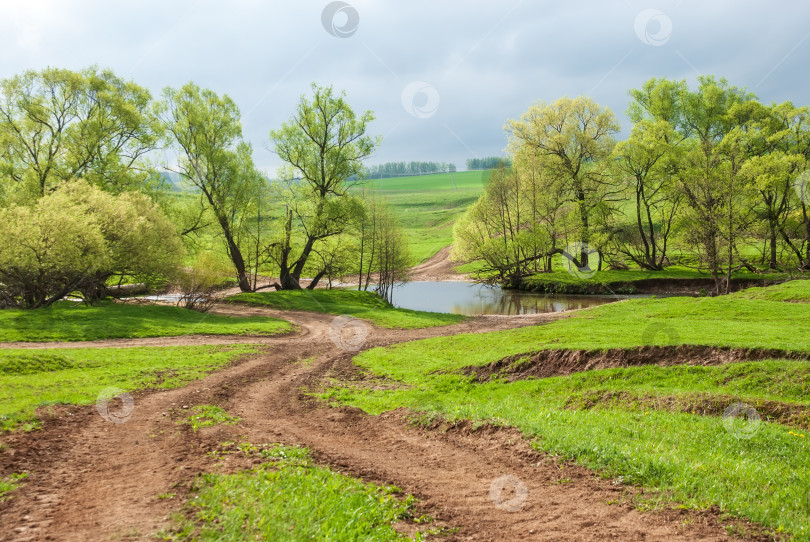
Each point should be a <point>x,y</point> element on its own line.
<point>571,140</point>
<point>323,145</point>
<point>206,130</point>
<point>57,125</point>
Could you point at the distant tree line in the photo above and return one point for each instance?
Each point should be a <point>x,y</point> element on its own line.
<point>396,169</point>
<point>490,162</point>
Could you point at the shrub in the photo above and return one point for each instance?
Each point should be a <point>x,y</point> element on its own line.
<point>75,239</point>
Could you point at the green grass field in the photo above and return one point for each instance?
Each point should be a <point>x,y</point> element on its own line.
<point>428,206</point>
<point>288,498</point>
<point>67,321</point>
<point>634,424</point>
<point>30,379</point>
<point>366,305</point>
<point>797,291</point>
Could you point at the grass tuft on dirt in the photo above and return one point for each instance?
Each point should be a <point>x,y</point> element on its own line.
<point>365,305</point>
<point>290,498</point>
<point>66,321</point>
<point>208,416</point>
<point>30,379</point>
<point>10,483</point>
<point>747,467</point>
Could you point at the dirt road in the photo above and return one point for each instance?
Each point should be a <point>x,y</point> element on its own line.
<point>95,480</point>
<point>438,267</point>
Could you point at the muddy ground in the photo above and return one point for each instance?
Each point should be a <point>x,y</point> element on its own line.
<point>90,479</point>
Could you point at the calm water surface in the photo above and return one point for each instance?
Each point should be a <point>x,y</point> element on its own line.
<point>474,299</point>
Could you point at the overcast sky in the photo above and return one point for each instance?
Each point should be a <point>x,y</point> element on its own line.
<point>442,77</point>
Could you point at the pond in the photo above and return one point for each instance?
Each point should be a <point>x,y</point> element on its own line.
<point>475,299</point>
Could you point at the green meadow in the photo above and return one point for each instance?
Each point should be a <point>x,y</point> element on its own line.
<point>643,425</point>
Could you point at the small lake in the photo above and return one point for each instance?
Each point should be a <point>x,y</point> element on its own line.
<point>475,299</point>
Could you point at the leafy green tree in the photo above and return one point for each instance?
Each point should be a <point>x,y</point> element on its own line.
<point>75,239</point>
<point>57,125</point>
<point>768,170</point>
<point>492,231</point>
<point>322,146</point>
<point>646,161</point>
<point>517,223</point>
<point>382,248</point>
<point>207,132</point>
<point>792,207</point>
<point>573,140</point>
<point>710,174</point>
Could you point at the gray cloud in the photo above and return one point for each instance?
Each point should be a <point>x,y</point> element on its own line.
<point>488,62</point>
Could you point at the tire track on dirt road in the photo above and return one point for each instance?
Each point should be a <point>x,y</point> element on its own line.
<point>95,480</point>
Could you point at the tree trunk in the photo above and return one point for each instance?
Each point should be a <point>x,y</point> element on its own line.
<point>238,262</point>
<point>316,279</point>
<point>583,255</point>
<point>773,263</point>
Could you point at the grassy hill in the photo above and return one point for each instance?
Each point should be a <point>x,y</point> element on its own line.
<point>428,205</point>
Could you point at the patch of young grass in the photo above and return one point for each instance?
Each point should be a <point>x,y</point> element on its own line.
<point>30,379</point>
<point>768,380</point>
<point>209,416</point>
<point>365,305</point>
<point>714,321</point>
<point>66,321</point>
<point>10,483</point>
<point>676,456</point>
<point>797,291</point>
<point>290,498</point>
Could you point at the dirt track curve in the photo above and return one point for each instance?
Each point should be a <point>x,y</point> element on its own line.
<point>95,480</point>
<point>438,267</point>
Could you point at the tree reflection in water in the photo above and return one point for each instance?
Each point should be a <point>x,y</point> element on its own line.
<point>474,299</point>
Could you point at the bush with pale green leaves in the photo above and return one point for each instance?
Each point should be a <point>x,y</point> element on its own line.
<point>75,239</point>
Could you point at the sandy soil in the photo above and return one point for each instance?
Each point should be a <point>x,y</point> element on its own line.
<point>95,480</point>
<point>437,268</point>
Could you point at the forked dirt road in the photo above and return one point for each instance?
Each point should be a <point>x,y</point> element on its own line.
<point>91,479</point>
